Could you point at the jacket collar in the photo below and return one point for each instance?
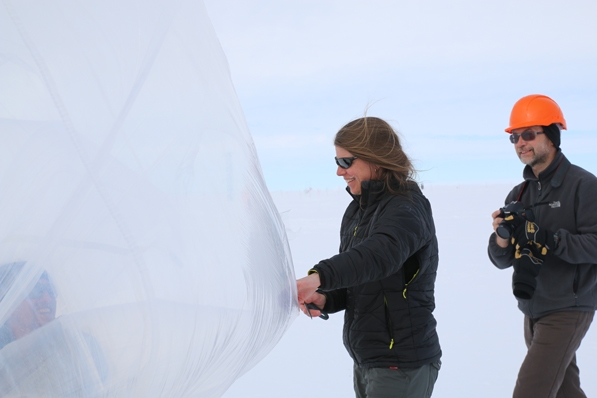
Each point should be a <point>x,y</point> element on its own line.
<point>372,190</point>
<point>554,173</point>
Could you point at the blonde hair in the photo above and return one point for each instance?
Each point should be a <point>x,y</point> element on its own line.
<point>375,141</point>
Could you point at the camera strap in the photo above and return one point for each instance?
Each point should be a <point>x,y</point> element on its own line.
<point>522,190</point>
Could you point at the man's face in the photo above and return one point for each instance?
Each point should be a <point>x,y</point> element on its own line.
<point>38,308</point>
<point>537,153</point>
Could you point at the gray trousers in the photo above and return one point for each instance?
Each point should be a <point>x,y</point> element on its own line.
<point>395,383</point>
<point>549,369</point>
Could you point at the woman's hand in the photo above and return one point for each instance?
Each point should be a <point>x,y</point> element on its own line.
<point>316,298</point>
<point>306,288</point>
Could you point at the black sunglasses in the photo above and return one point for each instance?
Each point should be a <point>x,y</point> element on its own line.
<point>39,290</point>
<point>345,162</point>
<point>527,136</point>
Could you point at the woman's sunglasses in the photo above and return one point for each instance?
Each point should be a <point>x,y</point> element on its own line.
<point>527,136</point>
<point>345,162</point>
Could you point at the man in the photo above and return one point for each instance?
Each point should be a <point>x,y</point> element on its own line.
<point>35,311</point>
<point>58,360</point>
<point>550,239</point>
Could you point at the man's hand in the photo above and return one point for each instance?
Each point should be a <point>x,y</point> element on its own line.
<point>497,220</point>
<point>537,240</point>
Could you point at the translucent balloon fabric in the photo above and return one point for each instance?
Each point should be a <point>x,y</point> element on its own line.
<point>140,252</point>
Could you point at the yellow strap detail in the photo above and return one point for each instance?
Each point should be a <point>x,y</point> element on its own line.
<point>391,344</point>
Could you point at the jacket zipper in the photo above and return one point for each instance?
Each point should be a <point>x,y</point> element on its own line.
<point>356,227</point>
<point>349,246</point>
<point>389,321</point>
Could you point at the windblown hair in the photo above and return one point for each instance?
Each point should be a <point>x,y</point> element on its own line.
<point>375,141</point>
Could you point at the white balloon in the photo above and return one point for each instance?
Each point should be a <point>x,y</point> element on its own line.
<point>132,204</point>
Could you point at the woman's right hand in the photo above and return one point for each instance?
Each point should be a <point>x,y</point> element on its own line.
<point>316,298</point>
<point>307,286</point>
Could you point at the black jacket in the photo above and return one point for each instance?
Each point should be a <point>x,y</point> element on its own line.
<point>567,279</point>
<point>384,278</point>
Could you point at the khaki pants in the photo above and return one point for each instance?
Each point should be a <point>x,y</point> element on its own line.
<point>549,368</point>
<point>395,383</point>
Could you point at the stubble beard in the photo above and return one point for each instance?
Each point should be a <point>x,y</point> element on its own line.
<point>535,160</point>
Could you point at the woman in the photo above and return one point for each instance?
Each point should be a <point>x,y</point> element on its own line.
<point>385,273</point>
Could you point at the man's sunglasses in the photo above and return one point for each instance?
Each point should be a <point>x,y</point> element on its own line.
<point>345,162</point>
<point>39,290</point>
<point>527,136</point>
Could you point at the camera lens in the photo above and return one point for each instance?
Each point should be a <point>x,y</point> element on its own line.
<point>504,230</point>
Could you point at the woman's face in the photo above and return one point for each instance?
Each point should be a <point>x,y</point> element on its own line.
<point>358,171</point>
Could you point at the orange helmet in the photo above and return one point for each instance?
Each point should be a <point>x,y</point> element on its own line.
<point>535,110</point>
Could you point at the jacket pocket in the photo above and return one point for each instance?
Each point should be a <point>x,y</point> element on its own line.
<point>389,322</point>
<point>411,270</point>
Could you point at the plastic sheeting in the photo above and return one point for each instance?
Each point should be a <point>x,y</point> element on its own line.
<point>140,252</point>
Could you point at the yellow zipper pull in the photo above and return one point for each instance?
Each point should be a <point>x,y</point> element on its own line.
<point>408,283</point>
<point>355,230</point>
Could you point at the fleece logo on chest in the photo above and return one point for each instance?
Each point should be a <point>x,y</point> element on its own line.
<point>554,204</point>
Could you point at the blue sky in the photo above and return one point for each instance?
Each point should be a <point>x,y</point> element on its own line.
<point>445,74</point>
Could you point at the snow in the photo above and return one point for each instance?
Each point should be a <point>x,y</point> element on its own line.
<point>479,325</point>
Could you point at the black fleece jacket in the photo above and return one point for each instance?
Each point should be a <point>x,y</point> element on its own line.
<point>384,278</point>
<point>567,280</point>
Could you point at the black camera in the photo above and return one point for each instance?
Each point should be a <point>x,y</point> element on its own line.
<point>506,229</point>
